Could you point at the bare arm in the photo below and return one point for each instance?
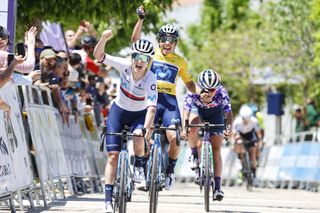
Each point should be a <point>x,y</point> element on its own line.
<point>229,119</point>
<point>98,52</point>
<point>191,86</point>
<point>151,112</point>
<point>136,34</point>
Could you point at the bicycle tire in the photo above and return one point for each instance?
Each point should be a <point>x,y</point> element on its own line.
<point>206,177</point>
<point>122,190</point>
<point>248,171</point>
<point>153,192</point>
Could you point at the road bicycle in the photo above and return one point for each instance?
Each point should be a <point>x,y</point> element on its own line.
<point>205,170</point>
<point>124,185</point>
<point>247,172</point>
<point>155,170</point>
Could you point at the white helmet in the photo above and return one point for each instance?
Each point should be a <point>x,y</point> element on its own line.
<point>245,112</point>
<point>168,29</point>
<point>143,46</point>
<point>209,79</point>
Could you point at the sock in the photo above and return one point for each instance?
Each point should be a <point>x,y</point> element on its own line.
<point>254,172</point>
<point>172,164</point>
<point>217,181</point>
<point>194,152</point>
<point>138,161</point>
<point>108,192</point>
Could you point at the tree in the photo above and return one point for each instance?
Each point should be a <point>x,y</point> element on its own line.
<point>119,15</point>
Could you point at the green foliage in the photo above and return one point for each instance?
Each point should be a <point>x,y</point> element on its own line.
<point>119,15</point>
<point>278,35</point>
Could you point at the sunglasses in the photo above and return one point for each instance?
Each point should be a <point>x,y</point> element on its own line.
<point>143,58</point>
<point>171,39</point>
<point>208,90</point>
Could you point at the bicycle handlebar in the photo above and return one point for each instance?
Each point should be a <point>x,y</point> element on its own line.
<point>157,128</point>
<point>203,125</point>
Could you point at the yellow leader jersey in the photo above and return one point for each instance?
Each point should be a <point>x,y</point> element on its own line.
<point>167,68</point>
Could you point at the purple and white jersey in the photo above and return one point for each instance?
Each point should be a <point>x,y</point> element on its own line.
<point>221,98</point>
<point>133,95</point>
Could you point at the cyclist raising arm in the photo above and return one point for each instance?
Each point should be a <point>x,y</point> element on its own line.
<point>167,66</point>
<point>135,105</point>
<point>211,105</point>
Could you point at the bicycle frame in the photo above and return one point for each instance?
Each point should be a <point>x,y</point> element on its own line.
<point>123,186</point>
<point>205,171</point>
<point>155,171</point>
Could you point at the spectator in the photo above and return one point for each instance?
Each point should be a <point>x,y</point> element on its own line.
<point>38,49</point>
<point>73,37</point>
<point>301,124</point>
<point>311,114</point>
<point>6,75</point>
<point>29,63</point>
<point>88,43</point>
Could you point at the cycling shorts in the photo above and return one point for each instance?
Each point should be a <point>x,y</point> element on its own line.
<point>249,139</point>
<point>168,110</point>
<point>117,119</point>
<point>213,115</point>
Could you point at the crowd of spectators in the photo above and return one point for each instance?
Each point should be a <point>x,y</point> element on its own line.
<point>79,84</point>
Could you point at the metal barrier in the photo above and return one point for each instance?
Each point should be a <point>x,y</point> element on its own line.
<point>67,157</point>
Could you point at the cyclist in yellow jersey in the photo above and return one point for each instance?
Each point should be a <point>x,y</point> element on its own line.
<point>167,66</point>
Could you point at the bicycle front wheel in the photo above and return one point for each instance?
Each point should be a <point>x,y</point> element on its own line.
<point>207,178</point>
<point>248,172</point>
<point>122,184</point>
<point>153,193</point>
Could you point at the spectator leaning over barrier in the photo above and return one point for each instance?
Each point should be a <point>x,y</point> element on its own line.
<point>53,70</point>
<point>134,106</point>
<point>28,64</point>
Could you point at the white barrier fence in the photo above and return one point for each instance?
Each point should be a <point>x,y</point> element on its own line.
<point>15,166</point>
<point>64,154</point>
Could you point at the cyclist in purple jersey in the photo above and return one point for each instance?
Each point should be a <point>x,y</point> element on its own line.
<point>211,105</point>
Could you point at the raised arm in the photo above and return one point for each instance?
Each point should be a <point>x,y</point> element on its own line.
<point>98,52</point>
<point>28,65</point>
<point>136,34</point>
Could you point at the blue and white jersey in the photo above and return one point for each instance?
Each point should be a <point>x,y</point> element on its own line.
<point>133,95</point>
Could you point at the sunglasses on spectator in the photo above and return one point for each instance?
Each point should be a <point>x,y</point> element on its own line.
<point>142,57</point>
<point>171,39</point>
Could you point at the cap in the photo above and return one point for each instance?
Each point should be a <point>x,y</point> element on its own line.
<point>47,53</point>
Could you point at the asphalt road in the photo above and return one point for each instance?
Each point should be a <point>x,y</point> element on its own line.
<point>186,198</point>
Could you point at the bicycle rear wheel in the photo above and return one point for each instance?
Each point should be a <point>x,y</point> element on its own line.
<point>122,185</point>
<point>207,179</point>
<point>153,192</point>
